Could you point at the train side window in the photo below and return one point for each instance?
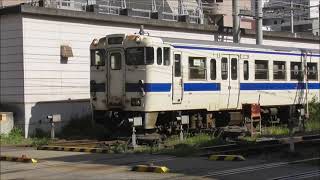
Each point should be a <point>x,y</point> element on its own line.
<point>213,69</point>
<point>224,68</point>
<point>159,56</point>
<point>98,57</point>
<point>296,70</point>
<point>312,71</point>
<point>234,68</point>
<point>197,68</point>
<point>166,56</point>
<point>115,61</point>
<point>279,70</point>
<point>149,55</point>
<point>261,70</point>
<point>245,70</point>
<point>177,65</point>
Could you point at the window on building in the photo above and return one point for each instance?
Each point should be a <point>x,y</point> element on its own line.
<point>261,70</point>
<point>279,70</point>
<point>177,65</point>
<point>312,71</point>
<point>66,3</point>
<point>159,56</point>
<point>166,56</point>
<point>115,61</point>
<point>213,69</point>
<point>296,70</point>
<point>245,70</point>
<point>197,68</point>
<point>219,1</point>
<point>224,68</point>
<point>234,68</point>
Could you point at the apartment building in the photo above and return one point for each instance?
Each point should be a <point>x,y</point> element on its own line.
<point>277,15</point>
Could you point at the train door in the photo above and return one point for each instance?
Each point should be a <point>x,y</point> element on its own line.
<point>177,83</point>
<point>230,81</point>
<point>116,77</point>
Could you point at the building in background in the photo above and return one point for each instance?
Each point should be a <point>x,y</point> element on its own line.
<point>4,3</point>
<point>219,12</point>
<point>277,15</point>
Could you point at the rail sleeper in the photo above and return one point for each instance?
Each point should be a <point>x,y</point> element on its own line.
<point>73,149</point>
<point>155,169</point>
<point>18,159</point>
<point>226,158</point>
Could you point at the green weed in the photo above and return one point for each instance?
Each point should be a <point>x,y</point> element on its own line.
<point>276,130</point>
<point>16,137</point>
<point>313,124</point>
<point>187,147</point>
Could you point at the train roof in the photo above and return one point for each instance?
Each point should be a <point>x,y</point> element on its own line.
<point>229,44</point>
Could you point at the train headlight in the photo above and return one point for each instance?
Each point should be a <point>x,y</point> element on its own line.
<point>135,102</point>
<point>138,39</point>
<point>95,42</point>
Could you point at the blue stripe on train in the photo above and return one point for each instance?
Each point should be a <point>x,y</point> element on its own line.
<point>149,87</point>
<point>99,87</point>
<point>243,51</point>
<point>166,87</point>
<point>202,87</point>
<point>277,86</point>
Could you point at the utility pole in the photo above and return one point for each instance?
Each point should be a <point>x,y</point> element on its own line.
<point>236,21</point>
<point>259,15</point>
<point>291,16</point>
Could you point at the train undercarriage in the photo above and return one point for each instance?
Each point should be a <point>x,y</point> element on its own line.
<point>248,121</point>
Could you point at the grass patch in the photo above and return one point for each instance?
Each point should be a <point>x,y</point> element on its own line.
<point>250,139</point>
<point>189,146</point>
<point>276,130</point>
<point>312,125</point>
<point>16,137</point>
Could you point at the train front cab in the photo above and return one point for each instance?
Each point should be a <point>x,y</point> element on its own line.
<point>107,75</point>
<point>128,73</point>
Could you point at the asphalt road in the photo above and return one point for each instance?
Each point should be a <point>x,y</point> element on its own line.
<point>77,165</point>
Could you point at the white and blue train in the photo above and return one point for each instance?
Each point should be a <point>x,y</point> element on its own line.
<point>166,82</point>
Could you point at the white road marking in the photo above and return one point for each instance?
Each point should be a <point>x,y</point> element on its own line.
<point>304,175</point>
<point>256,168</point>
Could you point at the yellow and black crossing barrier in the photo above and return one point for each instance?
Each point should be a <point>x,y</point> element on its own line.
<point>226,158</point>
<point>74,149</point>
<point>155,169</point>
<point>23,159</point>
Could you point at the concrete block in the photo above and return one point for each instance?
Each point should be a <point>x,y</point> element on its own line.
<point>184,18</point>
<point>6,122</point>
<point>156,15</point>
<point>126,12</point>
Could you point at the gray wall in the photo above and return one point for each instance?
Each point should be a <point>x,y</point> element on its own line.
<point>11,67</point>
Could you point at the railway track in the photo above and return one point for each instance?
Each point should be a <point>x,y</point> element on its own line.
<point>304,175</point>
<point>260,167</point>
<point>271,145</point>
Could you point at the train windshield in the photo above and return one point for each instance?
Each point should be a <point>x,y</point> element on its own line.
<point>98,57</point>
<point>140,56</point>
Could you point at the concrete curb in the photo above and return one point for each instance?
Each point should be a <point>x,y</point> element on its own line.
<point>18,159</point>
<point>226,158</point>
<point>73,149</point>
<point>155,169</point>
